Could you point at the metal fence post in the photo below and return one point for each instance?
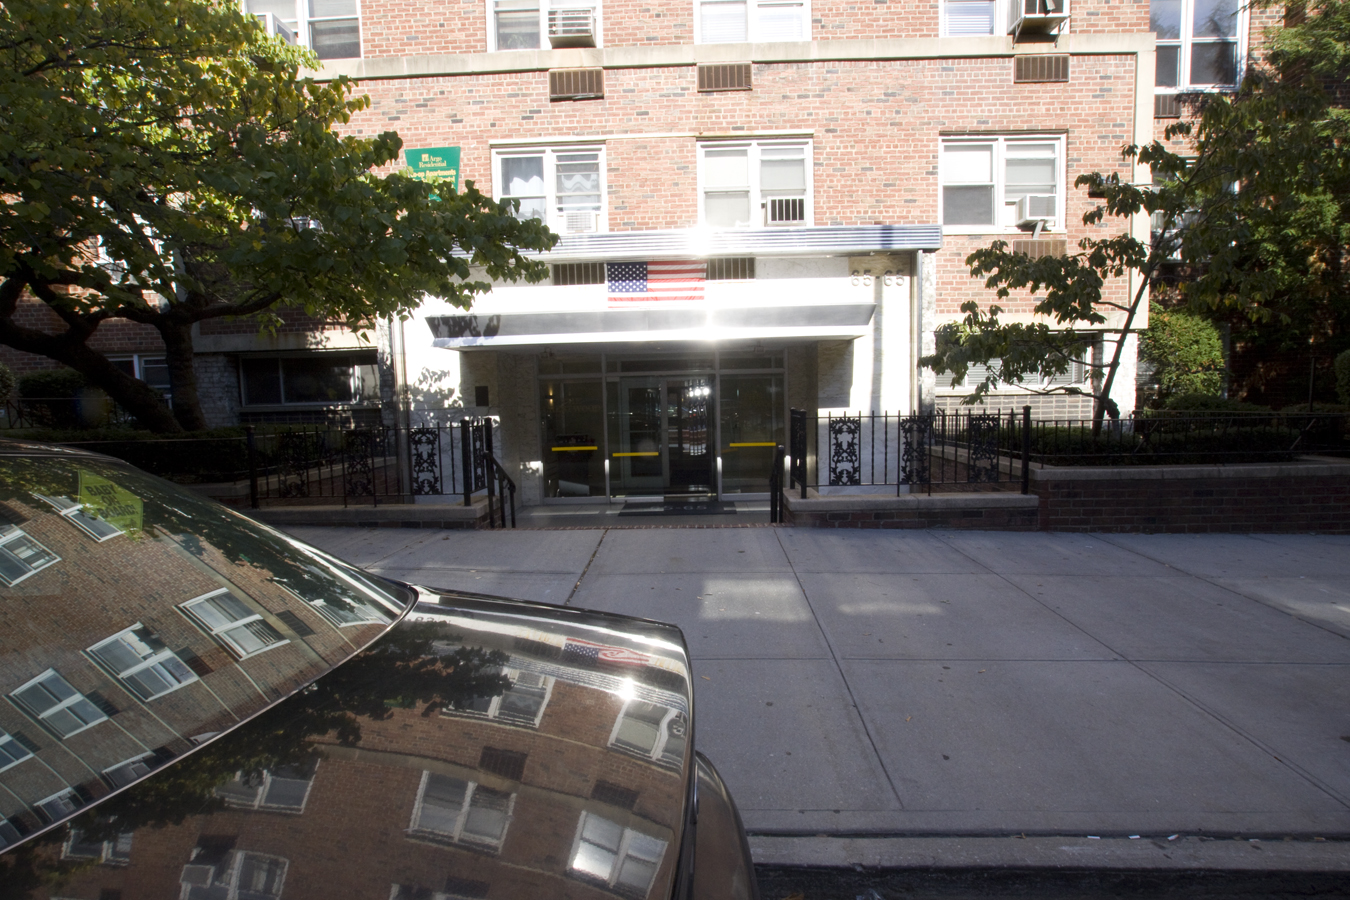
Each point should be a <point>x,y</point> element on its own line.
<point>1026,449</point>
<point>252,468</point>
<point>466,459</point>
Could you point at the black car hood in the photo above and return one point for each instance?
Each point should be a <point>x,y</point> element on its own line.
<point>477,747</point>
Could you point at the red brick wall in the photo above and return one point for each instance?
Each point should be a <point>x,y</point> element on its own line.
<point>113,338</point>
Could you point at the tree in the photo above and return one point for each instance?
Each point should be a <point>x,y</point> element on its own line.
<point>1084,297</point>
<point>164,162</point>
<point>1251,227</point>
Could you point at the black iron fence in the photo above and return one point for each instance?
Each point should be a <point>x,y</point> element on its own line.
<point>92,410</point>
<point>323,464</point>
<point>948,451</point>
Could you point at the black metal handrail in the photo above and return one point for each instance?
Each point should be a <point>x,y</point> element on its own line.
<point>505,486</point>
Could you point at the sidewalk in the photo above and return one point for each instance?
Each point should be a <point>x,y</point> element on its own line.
<point>863,691</point>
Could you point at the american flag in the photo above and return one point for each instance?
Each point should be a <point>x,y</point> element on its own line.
<point>605,653</point>
<point>631,282</point>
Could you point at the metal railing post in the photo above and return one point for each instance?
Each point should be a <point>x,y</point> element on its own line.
<point>252,468</point>
<point>1026,449</point>
<point>466,460</point>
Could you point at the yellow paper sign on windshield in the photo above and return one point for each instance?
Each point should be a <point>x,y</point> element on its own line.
<point>110,502</point>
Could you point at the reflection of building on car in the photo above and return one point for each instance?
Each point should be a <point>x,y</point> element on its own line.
<point>478,747</point>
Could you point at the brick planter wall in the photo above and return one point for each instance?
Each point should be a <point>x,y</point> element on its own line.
<point>1309,495</point>
<point>993,511</point>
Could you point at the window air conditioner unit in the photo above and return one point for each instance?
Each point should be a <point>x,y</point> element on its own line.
<point>579,221</point>
<point>1035,209</point>
<point>274,26</point>
<point>571,26</point>
<point>198,876</point>
<point>785,211</point>
<point>1036,16</point>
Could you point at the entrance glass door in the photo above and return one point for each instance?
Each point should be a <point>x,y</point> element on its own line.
<point>660,437</point>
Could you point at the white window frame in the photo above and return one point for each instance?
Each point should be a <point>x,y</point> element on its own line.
<point>1079,373</point>
<point>61,795</point>
<point>116,852</point>
<point>147,758</point>
<point>73,512</point>
<point>458,835</point>
<point>222,633</point>
<point>67,705</point>
<point>757,151</point>
<point>10,746</point>
<point>11,534</point>
<point>158,660</point>
<point>302,25</point>
<point>138,363</point>
<point>597,18</point>
<point>664,731</point>
<point>1000,144</point>
<point>754,24</point>
<point>622,853</point>
<point>360,396</point>
<point>228,874</point>
<point>494,710</point>
<point>1187,40</point>
<point>261,789</point>
<point>1000,21</point>
<point>554,217</point>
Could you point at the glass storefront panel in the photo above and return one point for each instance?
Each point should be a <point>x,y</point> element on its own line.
<point>574,453</point>
<point>752,426</point>
<point>635,437</point>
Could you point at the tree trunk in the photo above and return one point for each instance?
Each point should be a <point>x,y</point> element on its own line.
<point>178,353</point>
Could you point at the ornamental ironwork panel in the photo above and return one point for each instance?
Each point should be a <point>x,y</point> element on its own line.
<point>916,449</point>
<point>424,446</point>
<point>845,458</point>
<point>358,455</point>
<point>982,448</point>
<point>296,453</point>
<point>478,433</point>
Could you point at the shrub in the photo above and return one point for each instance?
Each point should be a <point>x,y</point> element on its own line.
<point>62,398</point>
<point>1210,403</point>
<point>1185,351</point>
<point>1342,366</point>
<point>7,382</point>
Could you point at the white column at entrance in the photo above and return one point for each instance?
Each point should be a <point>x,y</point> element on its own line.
<point>881,358</point>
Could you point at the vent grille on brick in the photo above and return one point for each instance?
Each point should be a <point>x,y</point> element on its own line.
<point>737,268</point>
<point>1037,249</point>
<point>576,84</point>
<point>1166,106</point>
<point>1040,68</point>
<point>579,273</point>
<point>724,77</point>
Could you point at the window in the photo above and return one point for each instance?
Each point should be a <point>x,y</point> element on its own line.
<point>143,663</point>
<point>998,183</point>
<point>562,186</point>
<point>116,852</point>
<point>736,21</point>
<point>59,805</point>
<point>757,184</point>
<point>521,704</point>
<point>56,704</point>
<point>233,623</point>
<point>541,24</point>
<point>21,556</point>
<point>233,875</point>
<point>455,889</point>
<point>460,811</point>
<point>12,752</point>
<point>1198,43</point>
<point>8,833</point>
<point>648,729</point>
<point>153,370</point>
<point>134,769</point>
<point>331,28</point>
<point>98,529</point>
<point>966,18</point>
<point>284,789</point>
<point>617,856</point>
<point>1078,373</point>
<point>316,378</point>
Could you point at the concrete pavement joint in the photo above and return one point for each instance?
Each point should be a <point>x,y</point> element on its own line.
<point>576,587</point>
<point>834,655</point>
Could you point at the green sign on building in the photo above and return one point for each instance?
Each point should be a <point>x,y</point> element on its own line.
<point>439,165</point>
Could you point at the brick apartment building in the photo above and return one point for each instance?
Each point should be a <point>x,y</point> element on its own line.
<point>563,785</point>
<point>764,204</point>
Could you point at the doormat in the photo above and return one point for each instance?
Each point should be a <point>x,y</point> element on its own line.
<point>679,508</point>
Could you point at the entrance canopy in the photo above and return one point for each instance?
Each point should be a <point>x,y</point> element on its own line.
<point>667,323</point>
